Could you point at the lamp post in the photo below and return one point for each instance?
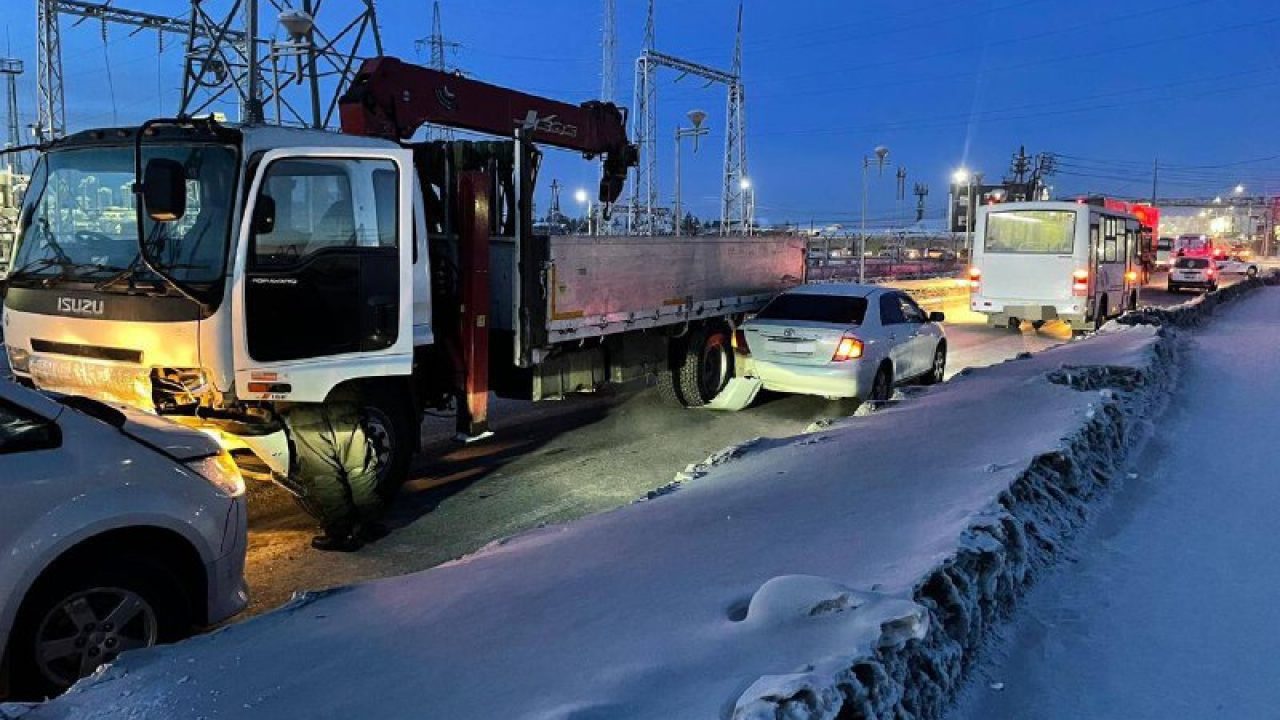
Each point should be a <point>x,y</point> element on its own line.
<point>696,117</point>
<point>882,154</point>
<point>584,199</point>
<point>749,201</point>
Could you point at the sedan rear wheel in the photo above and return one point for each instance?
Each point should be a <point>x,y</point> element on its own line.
<point>882,385</point>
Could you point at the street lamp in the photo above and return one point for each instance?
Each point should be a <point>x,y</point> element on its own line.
<point>971,181</point>
<point>584,199</point>
<point>882,154</point>
<point>696,117</point>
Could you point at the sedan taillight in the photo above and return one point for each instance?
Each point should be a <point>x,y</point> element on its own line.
<point>850,348</point>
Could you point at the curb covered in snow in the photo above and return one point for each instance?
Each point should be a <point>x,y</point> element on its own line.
<point>1000,556</point>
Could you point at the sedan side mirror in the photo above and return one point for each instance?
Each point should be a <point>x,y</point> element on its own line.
<point>164,190</point>
<point>937,317</point>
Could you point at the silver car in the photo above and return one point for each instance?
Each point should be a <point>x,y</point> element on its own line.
<point>118,530</point>
<point>842,340</point>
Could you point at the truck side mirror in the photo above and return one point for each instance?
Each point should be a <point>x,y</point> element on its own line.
<point>264,215</point>
<point>164,190</point>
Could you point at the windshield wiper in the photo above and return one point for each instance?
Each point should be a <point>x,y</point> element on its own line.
<point>130,271</point>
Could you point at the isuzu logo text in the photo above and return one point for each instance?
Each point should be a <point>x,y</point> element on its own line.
<point>81,306</point>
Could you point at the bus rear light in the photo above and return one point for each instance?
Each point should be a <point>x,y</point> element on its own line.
<point>975,279</point>
<point>1131,276</point>
<point>1080,282</point>
<point>740,345</point>
<point>850,348</point>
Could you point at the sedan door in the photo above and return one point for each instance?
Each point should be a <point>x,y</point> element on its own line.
<point>924,339</point>
<point>898,335</point>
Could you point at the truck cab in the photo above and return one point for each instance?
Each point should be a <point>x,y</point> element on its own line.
<point>281,261</point>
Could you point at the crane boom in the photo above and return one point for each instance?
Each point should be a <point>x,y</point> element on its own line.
<point>393,99</point>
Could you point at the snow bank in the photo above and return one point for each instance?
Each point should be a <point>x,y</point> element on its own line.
<point>847,573</point>
<point>1196,311</point>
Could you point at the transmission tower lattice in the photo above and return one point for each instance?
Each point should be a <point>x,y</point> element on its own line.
<point>221,65</point>
<point>51,117</point>
<point>439,60</point>
<point>733,208</point>
<point>644,211</point>
<point>608,53</point>
<point>12,69</point>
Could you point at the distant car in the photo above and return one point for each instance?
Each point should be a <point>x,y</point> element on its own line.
<point>843,340</point>
<point>1164,253</point>
<point>118,530</point>
<point>1236,266</point>
<point>1199,273</point>
<point>940,254</point>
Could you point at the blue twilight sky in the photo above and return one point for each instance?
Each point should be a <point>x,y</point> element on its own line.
<point>1110,85</point>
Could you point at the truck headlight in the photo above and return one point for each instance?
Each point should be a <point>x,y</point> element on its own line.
<point>19,359</point>
<point>220,470</point>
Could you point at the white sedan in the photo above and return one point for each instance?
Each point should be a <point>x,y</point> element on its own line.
<point>1234,266</point>
<point>118,530</point>
<point>842,340</point>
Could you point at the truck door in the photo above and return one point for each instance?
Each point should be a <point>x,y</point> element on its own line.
<point>322,286</point>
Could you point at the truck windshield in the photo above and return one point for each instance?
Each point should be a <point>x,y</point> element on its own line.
<point>78,221</point>
<point>1047,232</point>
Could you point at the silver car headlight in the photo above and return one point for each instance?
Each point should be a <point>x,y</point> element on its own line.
<point>221,471</point>
<point>19,359</point>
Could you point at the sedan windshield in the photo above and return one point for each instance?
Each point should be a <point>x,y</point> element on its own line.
<point>804,307</point>
<point>78,221</point>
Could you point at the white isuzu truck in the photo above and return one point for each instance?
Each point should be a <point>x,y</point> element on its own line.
<point>1040,261</point>
<point>229,277</point>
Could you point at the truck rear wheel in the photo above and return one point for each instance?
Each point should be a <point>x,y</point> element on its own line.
<point>705,367</point>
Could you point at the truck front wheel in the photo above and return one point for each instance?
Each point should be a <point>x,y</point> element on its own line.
<point>351,454</point>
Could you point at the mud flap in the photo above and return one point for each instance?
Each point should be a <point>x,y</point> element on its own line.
<point>737,395</point>
<point>334,472</point>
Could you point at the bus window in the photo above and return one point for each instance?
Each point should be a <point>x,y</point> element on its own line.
<point>1030,232</point>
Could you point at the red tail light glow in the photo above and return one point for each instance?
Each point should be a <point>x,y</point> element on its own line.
<point>850,348</point>
<point>1080,282</point>
<point>975,279</point>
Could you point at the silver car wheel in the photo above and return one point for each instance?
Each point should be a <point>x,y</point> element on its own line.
<point>91,628</point>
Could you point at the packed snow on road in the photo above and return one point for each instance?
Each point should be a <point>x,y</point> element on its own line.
<point>1169,608</point>
<point>781,579</point>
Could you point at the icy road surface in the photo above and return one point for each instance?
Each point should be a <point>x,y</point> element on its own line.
<point>552,462</point>
<point>1169,610</point>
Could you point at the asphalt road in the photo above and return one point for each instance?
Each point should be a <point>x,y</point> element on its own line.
<point>552,462</point>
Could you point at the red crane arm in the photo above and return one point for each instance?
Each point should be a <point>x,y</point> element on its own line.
<point>391,98</point>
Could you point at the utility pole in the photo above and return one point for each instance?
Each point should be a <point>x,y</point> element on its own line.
<point>696,117</point>
<point>12,69</point>
<point>921,192</point>
<point>882,154</point>
<point>901,194</point>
